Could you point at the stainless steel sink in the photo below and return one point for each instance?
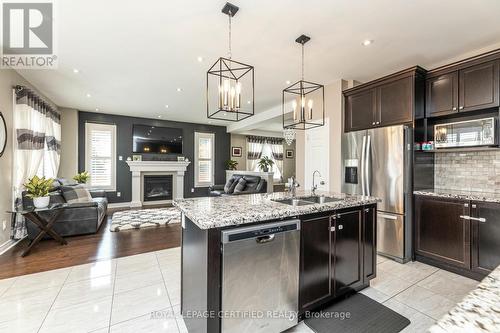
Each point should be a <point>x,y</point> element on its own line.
<point>320,199</point>
<point>294,202</point>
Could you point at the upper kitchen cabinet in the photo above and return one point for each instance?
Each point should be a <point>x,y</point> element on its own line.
<point>442,95</point>
<point>470,85</point>
<point>392,100</point>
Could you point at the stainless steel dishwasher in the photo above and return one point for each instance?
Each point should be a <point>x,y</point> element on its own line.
<point>260,277</point>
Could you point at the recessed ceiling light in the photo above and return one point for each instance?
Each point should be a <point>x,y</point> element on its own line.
<point>249,102</point>
<point>179,89</point>
<point>367,42</point>
<point>287,82</point>
<point>200,59</point>
<point>89,95</point>
<point>159,116</point>
<point>97,109</point>
<point>76,70</point>
<point>166,106</point>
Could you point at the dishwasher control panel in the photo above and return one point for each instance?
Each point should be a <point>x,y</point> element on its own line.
<point>259,231</point>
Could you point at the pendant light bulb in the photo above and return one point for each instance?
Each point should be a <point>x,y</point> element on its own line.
<point>310,107</point>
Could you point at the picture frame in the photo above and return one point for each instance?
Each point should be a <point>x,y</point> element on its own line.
<point>236,151</point>
<point>289,153</point>
<point>136,157</point>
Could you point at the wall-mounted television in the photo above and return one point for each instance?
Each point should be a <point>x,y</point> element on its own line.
<point>156,140</point>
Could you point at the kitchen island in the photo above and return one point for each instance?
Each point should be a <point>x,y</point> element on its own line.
<point>245,256</point>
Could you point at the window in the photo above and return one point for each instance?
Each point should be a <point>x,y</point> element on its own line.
<point>204,159</point>
<point>100,152</point>
<point>267,151</point>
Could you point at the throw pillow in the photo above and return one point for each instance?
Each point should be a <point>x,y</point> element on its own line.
<point>228,184</point>
<point>76,193</point>
<point>240,187</point>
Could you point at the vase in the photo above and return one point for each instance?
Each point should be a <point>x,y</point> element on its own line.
<point>41,202</point>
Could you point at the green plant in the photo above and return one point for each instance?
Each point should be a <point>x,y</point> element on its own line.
<point>231,165</point>
<point>82,177</point>
<point>38,187</point>
<point>265,164</point>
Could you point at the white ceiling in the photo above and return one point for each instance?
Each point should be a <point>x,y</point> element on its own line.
<point>132,55</point>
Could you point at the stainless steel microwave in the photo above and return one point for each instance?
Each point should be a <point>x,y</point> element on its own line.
<point>470,133</point>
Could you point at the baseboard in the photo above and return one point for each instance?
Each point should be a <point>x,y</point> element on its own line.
<point>8,245</point>
<point>119,205</point>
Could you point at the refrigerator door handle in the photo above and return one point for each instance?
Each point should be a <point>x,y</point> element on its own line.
<point>368,167</point>
<point>362,173</point>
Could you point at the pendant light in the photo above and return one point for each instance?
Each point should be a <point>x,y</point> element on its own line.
<point>303,103</point>
<point>230,84</point>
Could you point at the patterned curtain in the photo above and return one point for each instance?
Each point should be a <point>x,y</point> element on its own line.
<point>255,145</point>
<point>277,149</point>
<point>38,143</point>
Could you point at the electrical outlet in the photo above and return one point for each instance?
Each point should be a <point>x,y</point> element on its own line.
<point>118,194</point>
<point>4,225</point>
<point>192,190</point>
<point>120,158</point>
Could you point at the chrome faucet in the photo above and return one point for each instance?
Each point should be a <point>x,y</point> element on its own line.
<point>314,186</point>
<point>292,187</point>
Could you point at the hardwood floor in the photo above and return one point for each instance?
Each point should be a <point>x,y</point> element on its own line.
<point>49,254</point>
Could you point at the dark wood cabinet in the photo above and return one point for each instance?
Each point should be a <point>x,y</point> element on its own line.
<point>315,260</point>
<point>395,102</point>
<point>392,100</point>
<point>462,89</point>
<point>485,236</point>
<point>338,254</point>
<point>442,95</point>
<point>369,244</point>
<point>441,231</point>
<point>360,110</point>
<point>478,87</point>
<point>347,251</point>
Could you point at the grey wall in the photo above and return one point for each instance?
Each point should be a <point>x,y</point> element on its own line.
<point>124,148</point>
<point>69,143</point>
<point>470,171</point>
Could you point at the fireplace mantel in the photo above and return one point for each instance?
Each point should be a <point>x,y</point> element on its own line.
<point>139,168</point>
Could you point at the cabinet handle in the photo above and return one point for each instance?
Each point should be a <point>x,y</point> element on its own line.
<point>367,210</point>
<point>373,123</point>
<point>474,206</point>
<point>479,219</point>
<point>465,217</point>
<point>454,108</point>
<point>461,108</point>
<point>466,205</point>
<point>378,122</point>
<point>341,227</point>
<point>332,229</point>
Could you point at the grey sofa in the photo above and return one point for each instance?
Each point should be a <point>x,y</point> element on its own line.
<point>78,219</point>
<point>254,184</point>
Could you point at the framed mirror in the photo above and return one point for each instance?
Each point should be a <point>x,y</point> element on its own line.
<point>3,134</point>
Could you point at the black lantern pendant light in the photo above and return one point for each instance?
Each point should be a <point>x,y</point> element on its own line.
<point>303,102</point>
<point>230,84</point>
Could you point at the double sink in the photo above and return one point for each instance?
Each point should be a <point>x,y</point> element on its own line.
<point>307,200</point>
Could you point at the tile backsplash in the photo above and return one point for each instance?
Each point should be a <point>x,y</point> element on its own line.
<point>470,171</point>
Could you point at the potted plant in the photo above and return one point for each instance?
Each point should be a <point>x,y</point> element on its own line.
<point>231,165</point>
<point>82,177</point>
<point>265,164</point>
<point>38,190</point>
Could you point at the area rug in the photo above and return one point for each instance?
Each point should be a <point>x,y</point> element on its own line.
<point>357,314</point>
<point>144,218</point>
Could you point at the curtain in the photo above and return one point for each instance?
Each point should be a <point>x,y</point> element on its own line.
<point>255,145</point>
<point>277,149</point>
<point>38,133</point>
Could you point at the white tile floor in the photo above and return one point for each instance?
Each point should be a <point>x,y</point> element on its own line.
<point>119,295</point>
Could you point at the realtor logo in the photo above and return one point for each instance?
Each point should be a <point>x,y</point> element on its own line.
<point>28,35</point>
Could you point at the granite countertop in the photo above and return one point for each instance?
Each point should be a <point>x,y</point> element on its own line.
<point>215,212</point>
<point>479,311</point>
<point>463,195</point>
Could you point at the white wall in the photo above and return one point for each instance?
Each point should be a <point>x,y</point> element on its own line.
<point>69,143</point>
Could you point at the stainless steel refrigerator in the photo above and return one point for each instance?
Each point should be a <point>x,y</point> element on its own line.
<point>378,162</point>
